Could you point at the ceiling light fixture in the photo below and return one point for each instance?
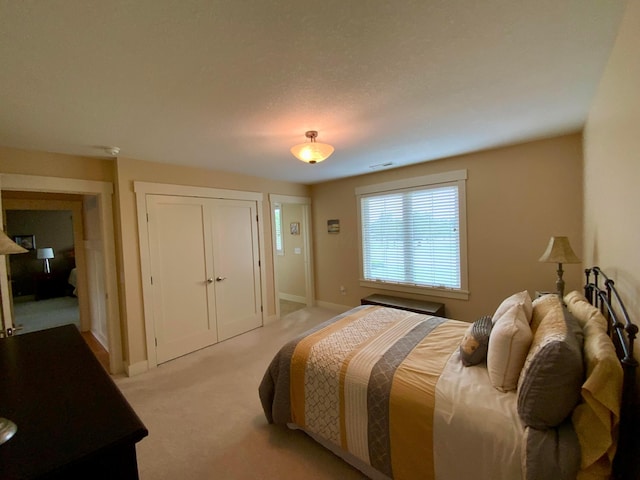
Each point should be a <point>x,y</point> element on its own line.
<point>312,152</point>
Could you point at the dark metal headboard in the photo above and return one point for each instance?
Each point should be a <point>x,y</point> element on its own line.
<point>623,334</point>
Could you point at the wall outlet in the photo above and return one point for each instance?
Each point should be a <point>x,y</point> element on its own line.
<point>343,290</point>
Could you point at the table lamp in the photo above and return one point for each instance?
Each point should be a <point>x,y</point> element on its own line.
<point>8,246</point>
<point>46,254</point>
<point>559,251</point>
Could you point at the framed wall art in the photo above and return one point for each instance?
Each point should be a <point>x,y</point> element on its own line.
<point>26,241</point>
<point>333,226</point>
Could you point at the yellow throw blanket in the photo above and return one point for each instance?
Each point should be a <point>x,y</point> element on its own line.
<point>596,418</point>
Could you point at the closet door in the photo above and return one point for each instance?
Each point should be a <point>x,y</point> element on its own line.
<point>182,271</point>
<point>237,266</point>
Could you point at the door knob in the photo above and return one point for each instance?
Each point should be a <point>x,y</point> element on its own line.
<point>219,279</point>
<point>209,280</point>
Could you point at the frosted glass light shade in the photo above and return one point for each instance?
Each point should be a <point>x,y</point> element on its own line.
<point>312,152</point>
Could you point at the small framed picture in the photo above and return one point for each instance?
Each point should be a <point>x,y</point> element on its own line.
<point>26,241</point>
<point>295,228</point>
<point>333,226</point>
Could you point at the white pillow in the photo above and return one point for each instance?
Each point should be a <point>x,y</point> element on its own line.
<point>509,345</point>
<point>521,298</point>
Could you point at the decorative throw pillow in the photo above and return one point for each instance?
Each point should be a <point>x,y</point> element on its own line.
<point>473,348</point>
<point>541,306</point>
<point>508,347</point>
<point>553,372</point>
<point>521,298</point>
<point>583,311</point>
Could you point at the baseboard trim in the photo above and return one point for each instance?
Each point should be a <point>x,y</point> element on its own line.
<point>292,298</point>
<point>137,368</point>
<point>333,306</point>
<point>101,339</point>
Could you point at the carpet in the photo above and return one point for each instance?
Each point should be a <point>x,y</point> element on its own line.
<point>205,420</point>
<point>42,314</point>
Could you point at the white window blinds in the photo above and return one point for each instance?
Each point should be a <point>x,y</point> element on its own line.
<point>412,236</point>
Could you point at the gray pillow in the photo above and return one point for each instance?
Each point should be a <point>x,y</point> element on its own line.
<point>473,348</point>
<point>553,373</point>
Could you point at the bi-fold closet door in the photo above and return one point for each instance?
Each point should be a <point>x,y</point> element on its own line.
<point>205,271</point>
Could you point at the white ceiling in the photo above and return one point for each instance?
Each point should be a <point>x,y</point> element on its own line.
<point>233,84</point>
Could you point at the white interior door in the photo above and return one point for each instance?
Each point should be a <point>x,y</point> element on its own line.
<point>237,267</point>
<point>181,271</point>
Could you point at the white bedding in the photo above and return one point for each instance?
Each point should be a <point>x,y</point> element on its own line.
<point>73,280</point>
<point>476,428</point>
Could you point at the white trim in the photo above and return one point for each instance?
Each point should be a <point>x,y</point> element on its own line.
<point>412,182</point>
<point>142,189</point>
<point>307,234</point>
<point>137,368</point>
<point>457,177</point>
<point>104,193</point>
<point>189,191</point>
<point>292,298</point>
<point>37,183</point>
<point>427,291</point>
<point>275,198</point>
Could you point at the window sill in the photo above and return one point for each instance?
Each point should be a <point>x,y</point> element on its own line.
<point>432,292</point>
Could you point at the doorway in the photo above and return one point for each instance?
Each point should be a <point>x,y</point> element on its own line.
<point>291,227</point>
<point>48,284</point>
<point>95,260</point>
<point>43,281</point>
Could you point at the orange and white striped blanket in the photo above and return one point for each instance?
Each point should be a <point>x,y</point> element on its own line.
<point>366,383</point>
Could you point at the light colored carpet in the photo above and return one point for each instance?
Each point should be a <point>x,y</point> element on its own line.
<point>287,307</point>
<point>205,420</point>
<point>39,315</point>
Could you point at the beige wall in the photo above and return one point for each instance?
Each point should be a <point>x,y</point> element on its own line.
<point>28,162</point>
<point>128,171</point>
<point>517,197</point>
<point>612,166</point>
<point>291,274</point>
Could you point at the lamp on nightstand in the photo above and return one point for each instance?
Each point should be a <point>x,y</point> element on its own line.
<point>559,251</point>
<point>46,254</point>
<point>8,246</point>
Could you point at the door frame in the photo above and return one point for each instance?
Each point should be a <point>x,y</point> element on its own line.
<point>104,193</point>
<point>305,229</point>
<point>141,190</point>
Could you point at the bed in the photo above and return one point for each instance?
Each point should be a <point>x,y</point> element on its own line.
<point>544,388</point>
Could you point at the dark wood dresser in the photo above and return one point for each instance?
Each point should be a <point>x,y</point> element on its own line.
<point>73,422</point>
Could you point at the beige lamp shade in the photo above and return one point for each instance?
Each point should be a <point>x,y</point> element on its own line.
<point>559,251</point>
<point>8,246</point>
<point>312,151</point>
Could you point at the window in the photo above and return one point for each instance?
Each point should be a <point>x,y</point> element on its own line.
<point>413,235</point>
<point>277,221</point>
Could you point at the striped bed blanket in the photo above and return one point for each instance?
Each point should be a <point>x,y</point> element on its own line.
<point>385,389</point>
<point>366,382</point>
